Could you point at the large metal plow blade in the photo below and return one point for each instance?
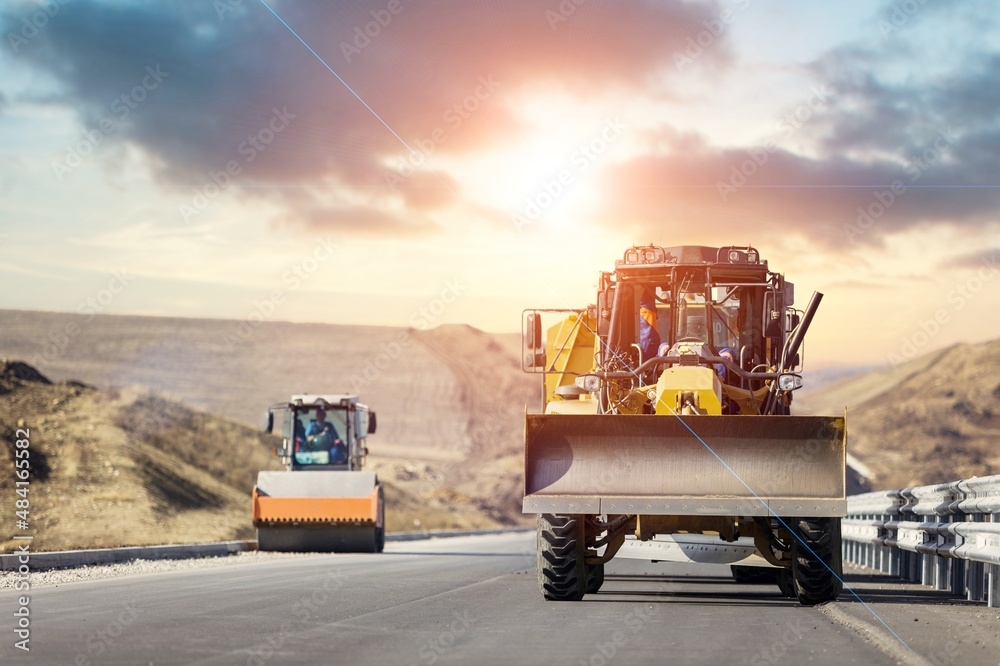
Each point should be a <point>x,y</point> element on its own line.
<point>692,465</point>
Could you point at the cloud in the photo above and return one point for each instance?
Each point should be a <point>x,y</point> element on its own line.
<point>425,68</point>
<point>978,259</point>
<point>884,154</point>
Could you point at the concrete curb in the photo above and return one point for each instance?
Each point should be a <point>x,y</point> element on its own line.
<point>68,559</point>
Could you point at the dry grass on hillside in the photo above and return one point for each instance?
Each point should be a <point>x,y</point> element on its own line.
<point>932,420</point>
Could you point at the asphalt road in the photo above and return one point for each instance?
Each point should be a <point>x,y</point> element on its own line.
<point>468,600</point>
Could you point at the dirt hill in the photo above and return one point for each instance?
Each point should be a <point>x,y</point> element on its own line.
<point>135,465</point>
<point>931,420</point>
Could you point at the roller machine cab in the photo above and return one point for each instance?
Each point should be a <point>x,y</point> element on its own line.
<point>324,501</point>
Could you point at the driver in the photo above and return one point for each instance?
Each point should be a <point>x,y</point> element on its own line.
<point>321,436</point>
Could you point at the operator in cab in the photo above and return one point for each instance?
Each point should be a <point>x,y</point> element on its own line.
<point>322,436</point>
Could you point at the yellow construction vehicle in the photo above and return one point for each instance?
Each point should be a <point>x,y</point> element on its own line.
<point>324,501</point>
<point>666,432</point>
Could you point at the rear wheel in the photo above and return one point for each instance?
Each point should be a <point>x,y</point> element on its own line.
<point>380,530</point>
<point>562,572</point>
<point>817,565</point>
<point>595,578</point>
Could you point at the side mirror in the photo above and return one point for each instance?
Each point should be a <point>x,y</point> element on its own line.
<point>268,425</point>
<point>533,331</point>
<point>372,423</point>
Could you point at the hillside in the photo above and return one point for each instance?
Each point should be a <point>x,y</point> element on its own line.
<point>450,404</point>
<point>126,468</point>
<point>933,419</point>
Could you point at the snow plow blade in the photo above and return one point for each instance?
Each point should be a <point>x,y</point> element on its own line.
<point>692,465</point>
<point>318,511</point>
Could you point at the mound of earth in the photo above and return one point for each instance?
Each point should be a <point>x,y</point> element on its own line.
<point>931,420</point>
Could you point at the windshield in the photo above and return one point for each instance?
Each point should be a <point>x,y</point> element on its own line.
<point>726,317</point>
<point>320,436</point>
<point>691,320</point>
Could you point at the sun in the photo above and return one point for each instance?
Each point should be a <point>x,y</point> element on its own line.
<point>548,176</point>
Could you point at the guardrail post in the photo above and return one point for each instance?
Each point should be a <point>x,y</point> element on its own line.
<point>993,598</point>
<point>942,565</point>
<point>958,577</point>
<point>955,574</point>
<point>975,574</point>
<point>941,579</point>
<point>927,575</point>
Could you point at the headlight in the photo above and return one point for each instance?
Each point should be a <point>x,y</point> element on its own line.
<point>789,381</point>
<point>588,383</point>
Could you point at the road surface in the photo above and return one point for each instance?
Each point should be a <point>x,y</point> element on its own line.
<point>469,600</point>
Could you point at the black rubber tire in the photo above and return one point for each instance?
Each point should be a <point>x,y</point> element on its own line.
<point>754,575</point>
<point>786,584</point>
<point>380,531</point>
<point>562,572</point>
<point>595,578</point>
<point>818,575</point>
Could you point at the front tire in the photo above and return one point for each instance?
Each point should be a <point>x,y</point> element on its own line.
<point>562,571</point>
<point>817,562</point>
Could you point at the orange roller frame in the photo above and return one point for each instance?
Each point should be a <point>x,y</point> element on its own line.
<point>314,509</point>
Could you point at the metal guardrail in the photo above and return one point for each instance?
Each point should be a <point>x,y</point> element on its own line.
<point>946,536</point>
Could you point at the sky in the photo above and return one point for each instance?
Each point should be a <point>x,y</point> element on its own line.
<point>422,162</point>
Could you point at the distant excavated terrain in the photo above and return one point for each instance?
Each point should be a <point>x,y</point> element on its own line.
<point>930,420</point>
<point>161,443</point>
<point>148,429</point>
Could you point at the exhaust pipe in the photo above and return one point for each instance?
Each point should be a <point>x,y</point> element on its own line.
<point>799,334</point>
